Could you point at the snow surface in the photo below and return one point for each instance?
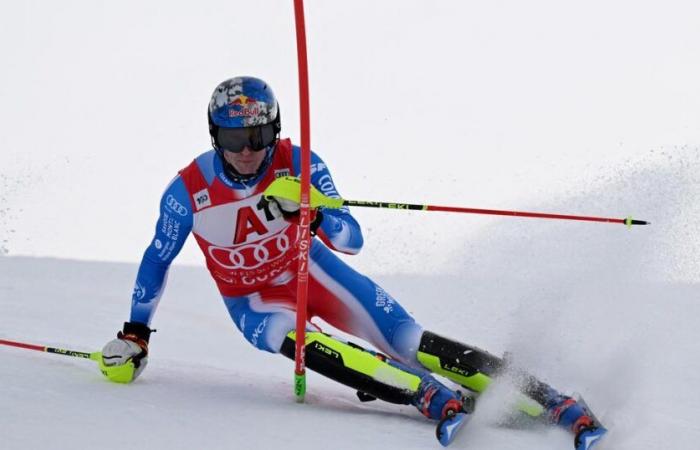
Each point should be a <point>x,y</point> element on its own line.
<point>592,308</point>
<point>586,108</point>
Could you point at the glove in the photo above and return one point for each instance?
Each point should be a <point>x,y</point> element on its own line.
<point>124,358</point>
<point>290,211</point>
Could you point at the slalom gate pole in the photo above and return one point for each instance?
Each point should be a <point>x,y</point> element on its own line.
<point>304,212</point>
<point>59,351</point>
<point>496,212</point>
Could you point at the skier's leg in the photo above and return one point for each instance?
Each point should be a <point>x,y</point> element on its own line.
<point>375,375</point>
<point>470,366</point>
<point>264,318</point>
<point>267,321</point>
<point>356,305</point>
<point>474,369</point>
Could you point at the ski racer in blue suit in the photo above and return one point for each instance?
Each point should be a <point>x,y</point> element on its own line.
<point>251,246</point>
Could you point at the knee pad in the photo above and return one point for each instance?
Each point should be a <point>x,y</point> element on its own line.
<point>406,342</point>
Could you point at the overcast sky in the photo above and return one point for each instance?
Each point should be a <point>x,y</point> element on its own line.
<point>499,104</point>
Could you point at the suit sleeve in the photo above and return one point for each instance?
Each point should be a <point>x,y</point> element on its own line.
<point>173,226</point>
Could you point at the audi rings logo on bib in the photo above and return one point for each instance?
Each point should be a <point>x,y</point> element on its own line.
<point>253,254</point>
<point>176,206</point>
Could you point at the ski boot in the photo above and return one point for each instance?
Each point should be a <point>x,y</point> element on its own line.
<point>575,416</point>
<point>435,401</point>
<point>450,408</point>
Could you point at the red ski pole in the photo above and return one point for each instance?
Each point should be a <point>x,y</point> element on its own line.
<point>59,351</point>
<point>288,187</point>
<point>495,212</point>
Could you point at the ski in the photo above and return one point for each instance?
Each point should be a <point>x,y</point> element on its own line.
<point>448,427</point>
<point>588,437</point>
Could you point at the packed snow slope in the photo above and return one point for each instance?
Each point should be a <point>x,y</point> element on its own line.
<point>594,308</point>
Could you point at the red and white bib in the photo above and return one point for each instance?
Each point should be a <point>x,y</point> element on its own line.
<point>245,245</point>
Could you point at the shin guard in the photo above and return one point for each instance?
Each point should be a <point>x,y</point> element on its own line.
<point>369,373</point>
<point>469,366</point>
<point>474,369</point>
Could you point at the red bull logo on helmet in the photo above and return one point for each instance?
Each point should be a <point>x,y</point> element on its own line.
<point>243,106</point>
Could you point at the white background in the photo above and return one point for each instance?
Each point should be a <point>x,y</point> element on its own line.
<point>499,104</point>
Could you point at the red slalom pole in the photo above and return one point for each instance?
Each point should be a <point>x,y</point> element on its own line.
<point>304,212</point>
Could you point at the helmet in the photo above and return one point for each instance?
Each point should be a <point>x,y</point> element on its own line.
<point>243,112</point>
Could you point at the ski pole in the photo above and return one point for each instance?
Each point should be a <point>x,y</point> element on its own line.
<point>288,188</point>
<point>629,221</point>
<point>121,373</point>
<point>95,356</point>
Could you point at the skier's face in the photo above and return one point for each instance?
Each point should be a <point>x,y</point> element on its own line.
<point>247,162</point>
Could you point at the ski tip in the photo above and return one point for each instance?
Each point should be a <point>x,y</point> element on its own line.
<point>448,427</point>
<point>588,438</point>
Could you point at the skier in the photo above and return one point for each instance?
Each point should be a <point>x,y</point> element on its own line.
<point>251,246</point>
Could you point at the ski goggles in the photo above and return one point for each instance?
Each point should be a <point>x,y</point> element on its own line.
<point>236,139</point>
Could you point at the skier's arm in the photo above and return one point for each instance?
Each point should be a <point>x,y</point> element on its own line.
<point>172,229</point>
<point>339,230</point>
